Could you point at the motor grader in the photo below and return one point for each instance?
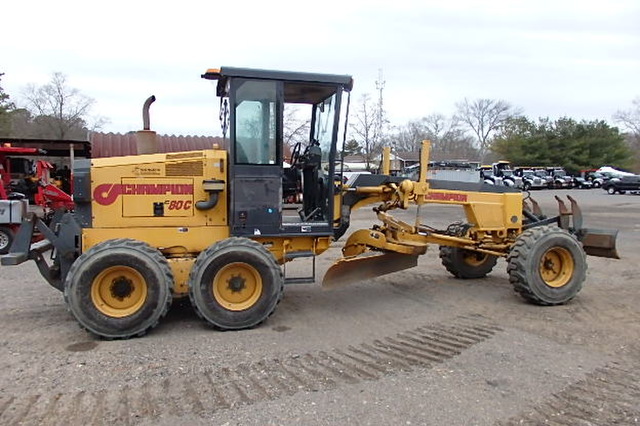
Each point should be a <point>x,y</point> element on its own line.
<point>213,225</point>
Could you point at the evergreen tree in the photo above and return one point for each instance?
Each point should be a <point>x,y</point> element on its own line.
<point>6,107</point>
<point>564,142</point>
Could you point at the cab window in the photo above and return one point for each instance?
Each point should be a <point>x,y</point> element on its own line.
<point>255,123</point>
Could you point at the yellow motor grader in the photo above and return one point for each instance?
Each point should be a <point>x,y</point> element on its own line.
<point>218,225</point>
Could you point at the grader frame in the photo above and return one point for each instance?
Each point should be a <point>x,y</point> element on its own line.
<point>212,225</point>
<point>496,218</point>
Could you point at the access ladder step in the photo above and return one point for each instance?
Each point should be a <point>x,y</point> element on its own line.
<point>301,280</point>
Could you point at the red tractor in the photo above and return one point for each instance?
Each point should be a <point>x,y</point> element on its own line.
<point>14,205</point>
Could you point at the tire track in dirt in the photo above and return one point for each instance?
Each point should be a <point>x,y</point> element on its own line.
<point>210,390</point>
<point>609,395</point>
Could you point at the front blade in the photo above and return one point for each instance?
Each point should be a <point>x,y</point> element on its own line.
<point>599,242</point>
<point>351,270</point>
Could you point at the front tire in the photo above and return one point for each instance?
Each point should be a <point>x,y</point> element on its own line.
<point>119,288</point>
<point>547,265</point>
<point>466,264</point>
<point>235,284</point>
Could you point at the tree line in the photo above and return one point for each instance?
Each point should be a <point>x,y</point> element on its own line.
<point>487,130</point>
<point>480,129</point>
<point>54,110</point>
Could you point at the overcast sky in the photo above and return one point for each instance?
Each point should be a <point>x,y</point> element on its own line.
<point>551,58</point>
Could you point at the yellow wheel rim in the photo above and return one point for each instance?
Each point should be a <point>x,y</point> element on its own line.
<point>556,267</point>
<point>237,286</point>
<point>119,291</point>
<point>474,259</point>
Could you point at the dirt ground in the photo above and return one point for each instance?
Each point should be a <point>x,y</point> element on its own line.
<point>415,347</point>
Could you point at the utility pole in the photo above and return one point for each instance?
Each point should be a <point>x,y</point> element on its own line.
<point>380,110</point>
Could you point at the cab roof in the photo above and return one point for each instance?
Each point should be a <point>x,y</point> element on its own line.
<point>301,87</point>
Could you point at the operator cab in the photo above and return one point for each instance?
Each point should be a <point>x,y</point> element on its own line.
<point>272,193</point>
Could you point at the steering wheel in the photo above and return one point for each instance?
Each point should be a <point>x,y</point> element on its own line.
<point>295,154</point>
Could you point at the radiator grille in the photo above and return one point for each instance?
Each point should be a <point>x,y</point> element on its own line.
<point>185,168</point>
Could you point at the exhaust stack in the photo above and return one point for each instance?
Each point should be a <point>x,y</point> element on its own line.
<point>146,140</point>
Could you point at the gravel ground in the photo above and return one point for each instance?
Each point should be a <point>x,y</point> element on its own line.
<point>414,347</point>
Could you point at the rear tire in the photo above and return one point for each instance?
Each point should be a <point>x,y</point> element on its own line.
<point>235,284</point>
<point>466,264</point>
<point>547,265</point>
<point>6,239</point>
<point>119,288</point>
<point>611,190</point>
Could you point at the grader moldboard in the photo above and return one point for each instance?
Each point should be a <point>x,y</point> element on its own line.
<point>218,225</point>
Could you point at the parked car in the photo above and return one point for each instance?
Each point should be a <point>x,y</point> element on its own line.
<point>560,177</point>
<point>596,178</point>
<point>541,172</point>
<point>500,173</point>
<point>622,184</point>
<point>530,180</point>
<point>582,183</point>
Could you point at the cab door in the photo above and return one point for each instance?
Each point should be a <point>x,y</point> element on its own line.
<point>256,157</point>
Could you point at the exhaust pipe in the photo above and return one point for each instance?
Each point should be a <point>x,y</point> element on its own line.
<point>145,112</point>
<point>146,141</point>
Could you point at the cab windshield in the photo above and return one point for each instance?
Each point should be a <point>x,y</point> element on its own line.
<point>323,125</point>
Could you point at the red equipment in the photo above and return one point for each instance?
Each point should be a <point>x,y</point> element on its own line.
<point>49,195</point>
<point>5,165</point>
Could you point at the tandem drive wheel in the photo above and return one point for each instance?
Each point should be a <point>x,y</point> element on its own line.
<point>236,283</point>
<point>119,288</point>
<point>547,265</point>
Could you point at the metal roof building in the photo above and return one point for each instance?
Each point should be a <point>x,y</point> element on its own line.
<point>116,144</point>
<point>111,145</point>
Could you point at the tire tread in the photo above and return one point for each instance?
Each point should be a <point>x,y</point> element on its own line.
<point>451,262</point>
<point>517,263</point>
<point>238,243</point>
<point>153,253</point>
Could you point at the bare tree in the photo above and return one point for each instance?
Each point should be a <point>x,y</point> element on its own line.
<point>408,137</point>
<point>60,111</point>
<point>448,138</point>
<point>630,121</point>
<point>295,128</point>
<point>364,129</point>
<point>483,117</point>
<point>630,118</point>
